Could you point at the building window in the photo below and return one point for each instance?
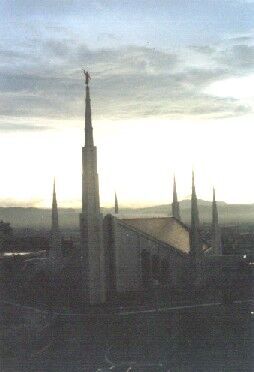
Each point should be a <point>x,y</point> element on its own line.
<point>145,267</point>
<point>164,274</point>
<point>155,267</point>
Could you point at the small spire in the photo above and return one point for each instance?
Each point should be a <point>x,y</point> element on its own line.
<point>194,201</point>
<point>116,204</point>
<point>214,209</point>
<point>54,191</point>
<point>174,189</point>
<point>54,222</point>
<point>196,246</point>
<point>175,204</point>
<point>193,182</point>
<point>55,252</point>
<point>216,236</point>
<point>195,239</point>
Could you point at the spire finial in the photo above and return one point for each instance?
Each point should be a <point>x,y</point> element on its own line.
<point>87,76</point>
<point>88,114</point>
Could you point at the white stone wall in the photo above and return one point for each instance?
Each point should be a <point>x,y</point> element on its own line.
<point>127,254</point>
<point>128,245</point>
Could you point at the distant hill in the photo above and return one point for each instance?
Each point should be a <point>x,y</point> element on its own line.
<point>41,218</point>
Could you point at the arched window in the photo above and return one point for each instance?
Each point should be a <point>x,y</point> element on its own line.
<point>145,267</point>
<point>155,267</point>
<point>164,272</point>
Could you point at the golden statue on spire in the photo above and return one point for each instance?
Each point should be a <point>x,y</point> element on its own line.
<point>87,76</point>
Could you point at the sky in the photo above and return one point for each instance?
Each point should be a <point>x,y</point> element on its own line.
<point>171,89</point>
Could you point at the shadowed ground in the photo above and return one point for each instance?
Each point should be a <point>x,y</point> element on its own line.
<point>202,338</point>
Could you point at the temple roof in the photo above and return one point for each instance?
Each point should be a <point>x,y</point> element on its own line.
<point>166,229</point>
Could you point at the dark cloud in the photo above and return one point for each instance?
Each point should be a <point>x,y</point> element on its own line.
<point>45,8</point>
<point>203,49</point>
<point>12,55</point>
<point>105,36</point>
<point>58,48</point>
<point>239,58</point>
<point>241,39</point>
<point>126,82</point>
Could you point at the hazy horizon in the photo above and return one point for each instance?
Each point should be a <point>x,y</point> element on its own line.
<point>111,206</point>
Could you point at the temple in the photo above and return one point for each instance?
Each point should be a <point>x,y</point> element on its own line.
<point>119,255</point>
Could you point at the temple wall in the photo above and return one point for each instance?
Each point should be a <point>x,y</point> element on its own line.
<point>126,246</point>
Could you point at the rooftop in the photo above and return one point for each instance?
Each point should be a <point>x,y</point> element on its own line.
<point>166,229</point>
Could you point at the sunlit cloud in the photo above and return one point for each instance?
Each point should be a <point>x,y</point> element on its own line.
<point>238,88</point>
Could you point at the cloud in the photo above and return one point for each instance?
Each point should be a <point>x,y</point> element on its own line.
<point>58,48</point>
<point>11,127</point>
<point>129,81</point>
<point>203,49</point>
<point>11,55</point>
<point>239,58</point>
<point>241,39</point>
<point>107,36</point>
<point>11,202</point>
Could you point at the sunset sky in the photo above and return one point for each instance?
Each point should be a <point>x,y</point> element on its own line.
<point>172,88</point>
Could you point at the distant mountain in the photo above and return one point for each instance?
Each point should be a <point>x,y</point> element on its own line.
<point>69,218</point>
<point>186,203</point>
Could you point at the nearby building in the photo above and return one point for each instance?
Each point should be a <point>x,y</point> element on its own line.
<point>5,235</point>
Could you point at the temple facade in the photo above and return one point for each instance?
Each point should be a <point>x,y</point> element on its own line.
<point>132,254</point>
<point>119,255</point>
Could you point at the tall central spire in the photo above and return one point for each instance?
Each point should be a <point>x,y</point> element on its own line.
<point>92,251</point>
<point>90,185</point>
<point>88,114</point>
